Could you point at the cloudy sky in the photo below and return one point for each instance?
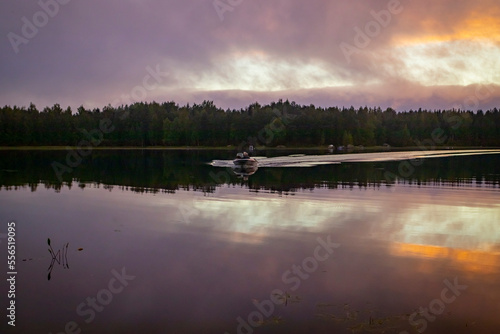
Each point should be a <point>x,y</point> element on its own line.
<point>388,53</point>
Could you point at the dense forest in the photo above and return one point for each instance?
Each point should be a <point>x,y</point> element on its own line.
<point>278,123</point>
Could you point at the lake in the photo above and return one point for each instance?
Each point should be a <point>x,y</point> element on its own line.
<point>164,241</point>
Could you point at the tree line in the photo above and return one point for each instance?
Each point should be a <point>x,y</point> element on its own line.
<point>278,123</point>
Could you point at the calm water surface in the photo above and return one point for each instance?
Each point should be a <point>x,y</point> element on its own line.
<point>162,242</point>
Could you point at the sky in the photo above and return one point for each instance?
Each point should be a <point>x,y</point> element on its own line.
<point>403,54</point>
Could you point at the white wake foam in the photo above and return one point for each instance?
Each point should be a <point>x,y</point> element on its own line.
<point>301,160</point>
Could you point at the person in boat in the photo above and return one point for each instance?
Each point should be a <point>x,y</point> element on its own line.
<point>243,155</point>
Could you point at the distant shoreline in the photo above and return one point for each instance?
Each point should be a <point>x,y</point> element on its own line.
<point>233,148</point>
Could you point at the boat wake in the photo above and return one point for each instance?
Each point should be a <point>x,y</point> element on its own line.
<point>302,160</point>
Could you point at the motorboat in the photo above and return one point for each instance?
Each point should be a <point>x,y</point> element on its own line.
<point>243,160</point>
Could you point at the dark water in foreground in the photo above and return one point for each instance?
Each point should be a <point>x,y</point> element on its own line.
<point>161,242</point>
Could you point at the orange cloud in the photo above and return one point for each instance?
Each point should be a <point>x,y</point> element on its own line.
<point>476,26</point>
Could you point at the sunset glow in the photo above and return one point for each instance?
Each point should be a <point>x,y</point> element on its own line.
<point>429,54</point>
